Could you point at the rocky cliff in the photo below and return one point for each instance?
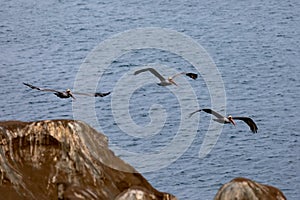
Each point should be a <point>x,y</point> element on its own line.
<point>65,159</point>
<point>246,189</point>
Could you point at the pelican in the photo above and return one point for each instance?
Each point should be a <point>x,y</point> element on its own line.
<point>226,120</point>
<point>66,94</point>
<point>163,81</point>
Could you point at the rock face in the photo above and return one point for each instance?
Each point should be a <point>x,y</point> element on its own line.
<point>65,159</point>
<point>246,189</point>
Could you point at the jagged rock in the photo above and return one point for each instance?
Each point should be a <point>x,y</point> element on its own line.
<point>64,159</point>
<point>139,193</point>
<point>246,189</point>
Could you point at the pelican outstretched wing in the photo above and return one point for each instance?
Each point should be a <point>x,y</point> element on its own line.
<point>249,122</point>
<point>153,71</point>
<point>41,89</point>
<point>179,74</point>
<point>191,75</point>
<point>207,110</point>
<point>210,111</point>
<point>98,94</point>
<point>190,115</point>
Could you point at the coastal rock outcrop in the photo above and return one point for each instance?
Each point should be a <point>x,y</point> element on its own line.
<point>65,159</point>
<point>246,189</point>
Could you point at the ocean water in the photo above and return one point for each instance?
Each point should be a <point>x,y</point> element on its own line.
<point>254,45</point>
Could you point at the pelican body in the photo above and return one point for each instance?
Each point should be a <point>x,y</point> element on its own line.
<point>169,80</point>
<point>229,120</point>
<point>64,95</point>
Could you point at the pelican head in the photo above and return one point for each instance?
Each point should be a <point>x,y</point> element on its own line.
<point>231,120</point>
<point>172,81</point>
<point>68,91</point>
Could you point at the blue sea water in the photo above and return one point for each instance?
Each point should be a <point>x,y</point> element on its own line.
<point>254,44</point>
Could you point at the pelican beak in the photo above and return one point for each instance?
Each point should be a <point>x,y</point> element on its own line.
<point>173,82</point>
<point>68,91</point>
<point>231,120</point>
<point>72,96</point>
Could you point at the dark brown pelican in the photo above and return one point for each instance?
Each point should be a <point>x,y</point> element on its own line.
<point>67,93</point>
<point>163,81</point>
<point>226,120</point>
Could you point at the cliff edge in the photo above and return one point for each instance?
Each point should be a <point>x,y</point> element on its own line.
<point>65,159</point>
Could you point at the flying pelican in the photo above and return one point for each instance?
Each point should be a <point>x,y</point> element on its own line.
<point>163,81</point>
<point>67,94</point>
<point>226,120</point>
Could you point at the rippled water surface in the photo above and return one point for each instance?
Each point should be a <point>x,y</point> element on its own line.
<point>255,46</point>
